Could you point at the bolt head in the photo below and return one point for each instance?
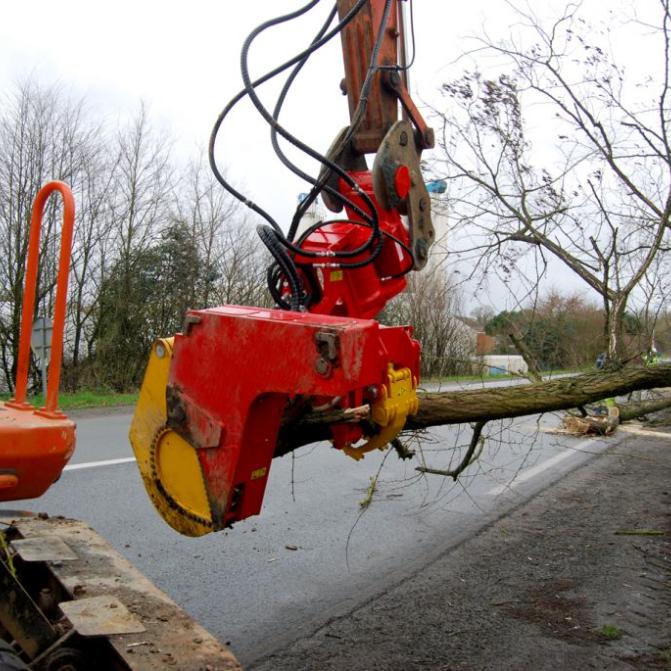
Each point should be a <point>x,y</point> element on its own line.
<point>323,367</point>
<point>421,250</point>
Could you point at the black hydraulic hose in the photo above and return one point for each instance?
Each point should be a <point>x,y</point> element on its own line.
<point>261,80</point>
<point>272,236</point>
<point>273,281</point>
<point>357,118</point>
<point>320,224</point>
<point>217,125</point>
<point>282,156</point>
<point>301,145</point>
<point>407,66</point>
<point>274,278</point>
<point>286,264</point>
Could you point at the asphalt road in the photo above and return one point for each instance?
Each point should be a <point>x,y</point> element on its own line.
<point>256,594</point>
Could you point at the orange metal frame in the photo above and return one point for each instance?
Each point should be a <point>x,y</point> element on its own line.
<point>35,444</point>
<point>30,288</point>
<point>389,86</point>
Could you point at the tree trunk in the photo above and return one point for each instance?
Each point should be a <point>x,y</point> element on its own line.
<point>615,328</point>
<point>490,403</point>
<point>518,341</point>
<point>635,409</point>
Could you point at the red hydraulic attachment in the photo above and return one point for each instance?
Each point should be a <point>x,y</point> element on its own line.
<point>360,292</point>
<point>35,444</point>
<point>213,399</point>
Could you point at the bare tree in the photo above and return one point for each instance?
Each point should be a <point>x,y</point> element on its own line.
<point>432,305</point>
<point>591,188</point>
<point>652,301</point>
<point>230,254</point>
<point>92,239</point>
<point>559,160</point>
<point>141,193</point>
<point>149,243</point>
<point>143,185</point>
<point>43,136</point>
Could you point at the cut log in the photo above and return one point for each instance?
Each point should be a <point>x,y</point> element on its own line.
<point>635,409</point>
<point>601,425</point>
<point>490,403</point>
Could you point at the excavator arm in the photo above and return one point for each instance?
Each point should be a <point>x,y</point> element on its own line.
<point>215,396</point>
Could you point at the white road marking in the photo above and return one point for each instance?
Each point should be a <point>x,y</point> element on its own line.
<point>96,464</point>
<point>638,431</point>
<point>527,474</point>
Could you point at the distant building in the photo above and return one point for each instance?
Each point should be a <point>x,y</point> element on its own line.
<point>503,364</point>
<point>484,344</point>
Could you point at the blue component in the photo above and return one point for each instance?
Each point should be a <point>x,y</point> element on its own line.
<point>436,186</point>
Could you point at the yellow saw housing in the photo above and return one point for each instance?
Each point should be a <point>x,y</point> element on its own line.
<point>168,463</point>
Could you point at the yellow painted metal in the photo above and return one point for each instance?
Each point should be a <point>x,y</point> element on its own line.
<point>178,470</point>
<point>168,463</point>
<point>397,400</point>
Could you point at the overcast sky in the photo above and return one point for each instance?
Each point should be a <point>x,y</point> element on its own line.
<point>182,59</point>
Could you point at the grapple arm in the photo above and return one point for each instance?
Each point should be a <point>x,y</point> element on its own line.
<point>214,397</point>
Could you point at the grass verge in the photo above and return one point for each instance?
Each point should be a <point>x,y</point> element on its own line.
<point>494,378</point>
<point>84,399</point>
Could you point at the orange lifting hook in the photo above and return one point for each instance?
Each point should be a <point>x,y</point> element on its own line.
<point>27,468</point>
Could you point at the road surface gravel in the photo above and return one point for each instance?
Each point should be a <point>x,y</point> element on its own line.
<point>578,577</point>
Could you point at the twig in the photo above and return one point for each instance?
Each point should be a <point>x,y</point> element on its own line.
<point>640,532</point>
<point>402,450</point>
<point>465,462</point>
<point>368,498</point>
